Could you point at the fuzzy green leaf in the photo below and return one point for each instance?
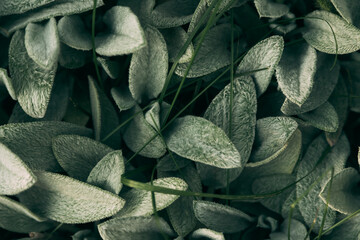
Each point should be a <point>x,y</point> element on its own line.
<point>9,7</point>
<point>66,200</point>
<point>349,10</point>
<point>350,230</point>
<point>271,9</point>
<point>123,98</point>
<point>200,140</point>
<point>78,155</point>
<point>265,54</point>
<point>204,233</point>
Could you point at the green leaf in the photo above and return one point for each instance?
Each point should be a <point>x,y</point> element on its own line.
<point>5,79</point>
<point>32,83</point>
<point>200,140</point>
<point>9,7</point>
<point>139,132</point>
<point>15,176</point>
<point>16,217</point>
<point>139,203</point>
<point>271,9</point>
<point>152,116</point>
<point>295,72</point>
<point>204,233</point>
<point>221,218</point>
<point>32,141</point>
<point>348,10</point>
<point>265,54</point>
<point>320,36</point>
<point>78,155</point>
<point>135,228</point>
<point>123,98</point>
<point>71,58</point>
<point>297,231</point>
<point>350,230</point>
<point>149,67</point>
<point>125,34</point>
<point>15,22</point>
<point>312,203</point>
<point>344,195</point>
<point>213,54</point>
<point>67,200</point>
<point>110,67</point>
<point>175,38</point>
<point>73,33</point>
<point>105,118</point>
<point>324,117</point>
<point>325,80</point>
<point>107,172</point>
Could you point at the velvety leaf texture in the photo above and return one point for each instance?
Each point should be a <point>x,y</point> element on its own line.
<point>67,200</point>
<point>271,9</point>
<point>348,10</point>
<point>123,98</point>
<point>9,7</point>
<point>200,140</point>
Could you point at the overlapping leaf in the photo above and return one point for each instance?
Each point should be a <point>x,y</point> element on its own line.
<point>270,9</point>
<point>9,7</point>
<point>123,98</point>
<point>348,10</point>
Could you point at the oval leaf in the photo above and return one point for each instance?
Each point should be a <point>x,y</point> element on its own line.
<point>270,9</point>
<point>66,200</point>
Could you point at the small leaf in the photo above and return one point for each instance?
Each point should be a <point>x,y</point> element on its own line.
<point>271,9</point>
<point>265,54</point>
<point>16,217</point>
<point>126,35</point>
<point>348,10</point>
<point>15,22</point>
<point>139,203</point>
<point>344,195</point>
<point>9,7</point>
<point>32,141</point>
<point>107,172</point>
<point>105,118</point>
<point>78,155</point>
<point>66,200</point>
<point>204,233</point>
<point>123,98</point>
<point>110,67</point>
<point>5,79</point>
<point>73,33</point>
<point>135,228</point>
<point>320,35</point>
<point>221,218</point>
<point>295,72</point>
<point>200,140</point>
<point>149,67</point>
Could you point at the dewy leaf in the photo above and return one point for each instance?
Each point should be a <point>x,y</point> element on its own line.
<point>149,67</point>
<point>325,80</point>
<point>336,159</point>
<point>32,83</point>
<point>125,34</point>
<point>270,9</point>
<point>349,10</point>
<point>15,22</point>
<point>73,33</point>
<point>16,217</point>
<point>320,36</point>
<point>135,228</point>
<point>78,155</point>
<point>344,195</point>
<point>204,233</point>
<point>213,54</point>
<point>32,141</point>
<point>221,218</point>
<point>295,72</point>
<point>175,38</point>
<point>105,118</point>
<point>66,200</point>
<point>139,132</point>
<point>200,140</point>
<point>122,98</point>
<point>139,203</point>
<point>107,172</point>
<point>324,117</point>
<point>265,54</point>
<point>5,79</point>
<point>9,7</point>
<point>15,176</point>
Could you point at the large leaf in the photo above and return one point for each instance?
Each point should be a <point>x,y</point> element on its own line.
<point>200,140</point>
<point>32,141</point>
<point>221,218</point>
<point>125,33</point>
<point>320,35</point>
<point>270,9</point>
<point>78,155</point>
<point>9,7</point>
<point>265,54</point>
<point>66,200</point>
<point>105,118</point>
<point>341,192</point>
<point>16,217</point>
<point>149,67</point>
<point>14,22</point>
<point>139,203</point>
<point>32,82</point>
<point>15,176</point>
<point>312,203</point>
<point>348,9</point>
<point>295,72</point>
<point>135,228</point>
